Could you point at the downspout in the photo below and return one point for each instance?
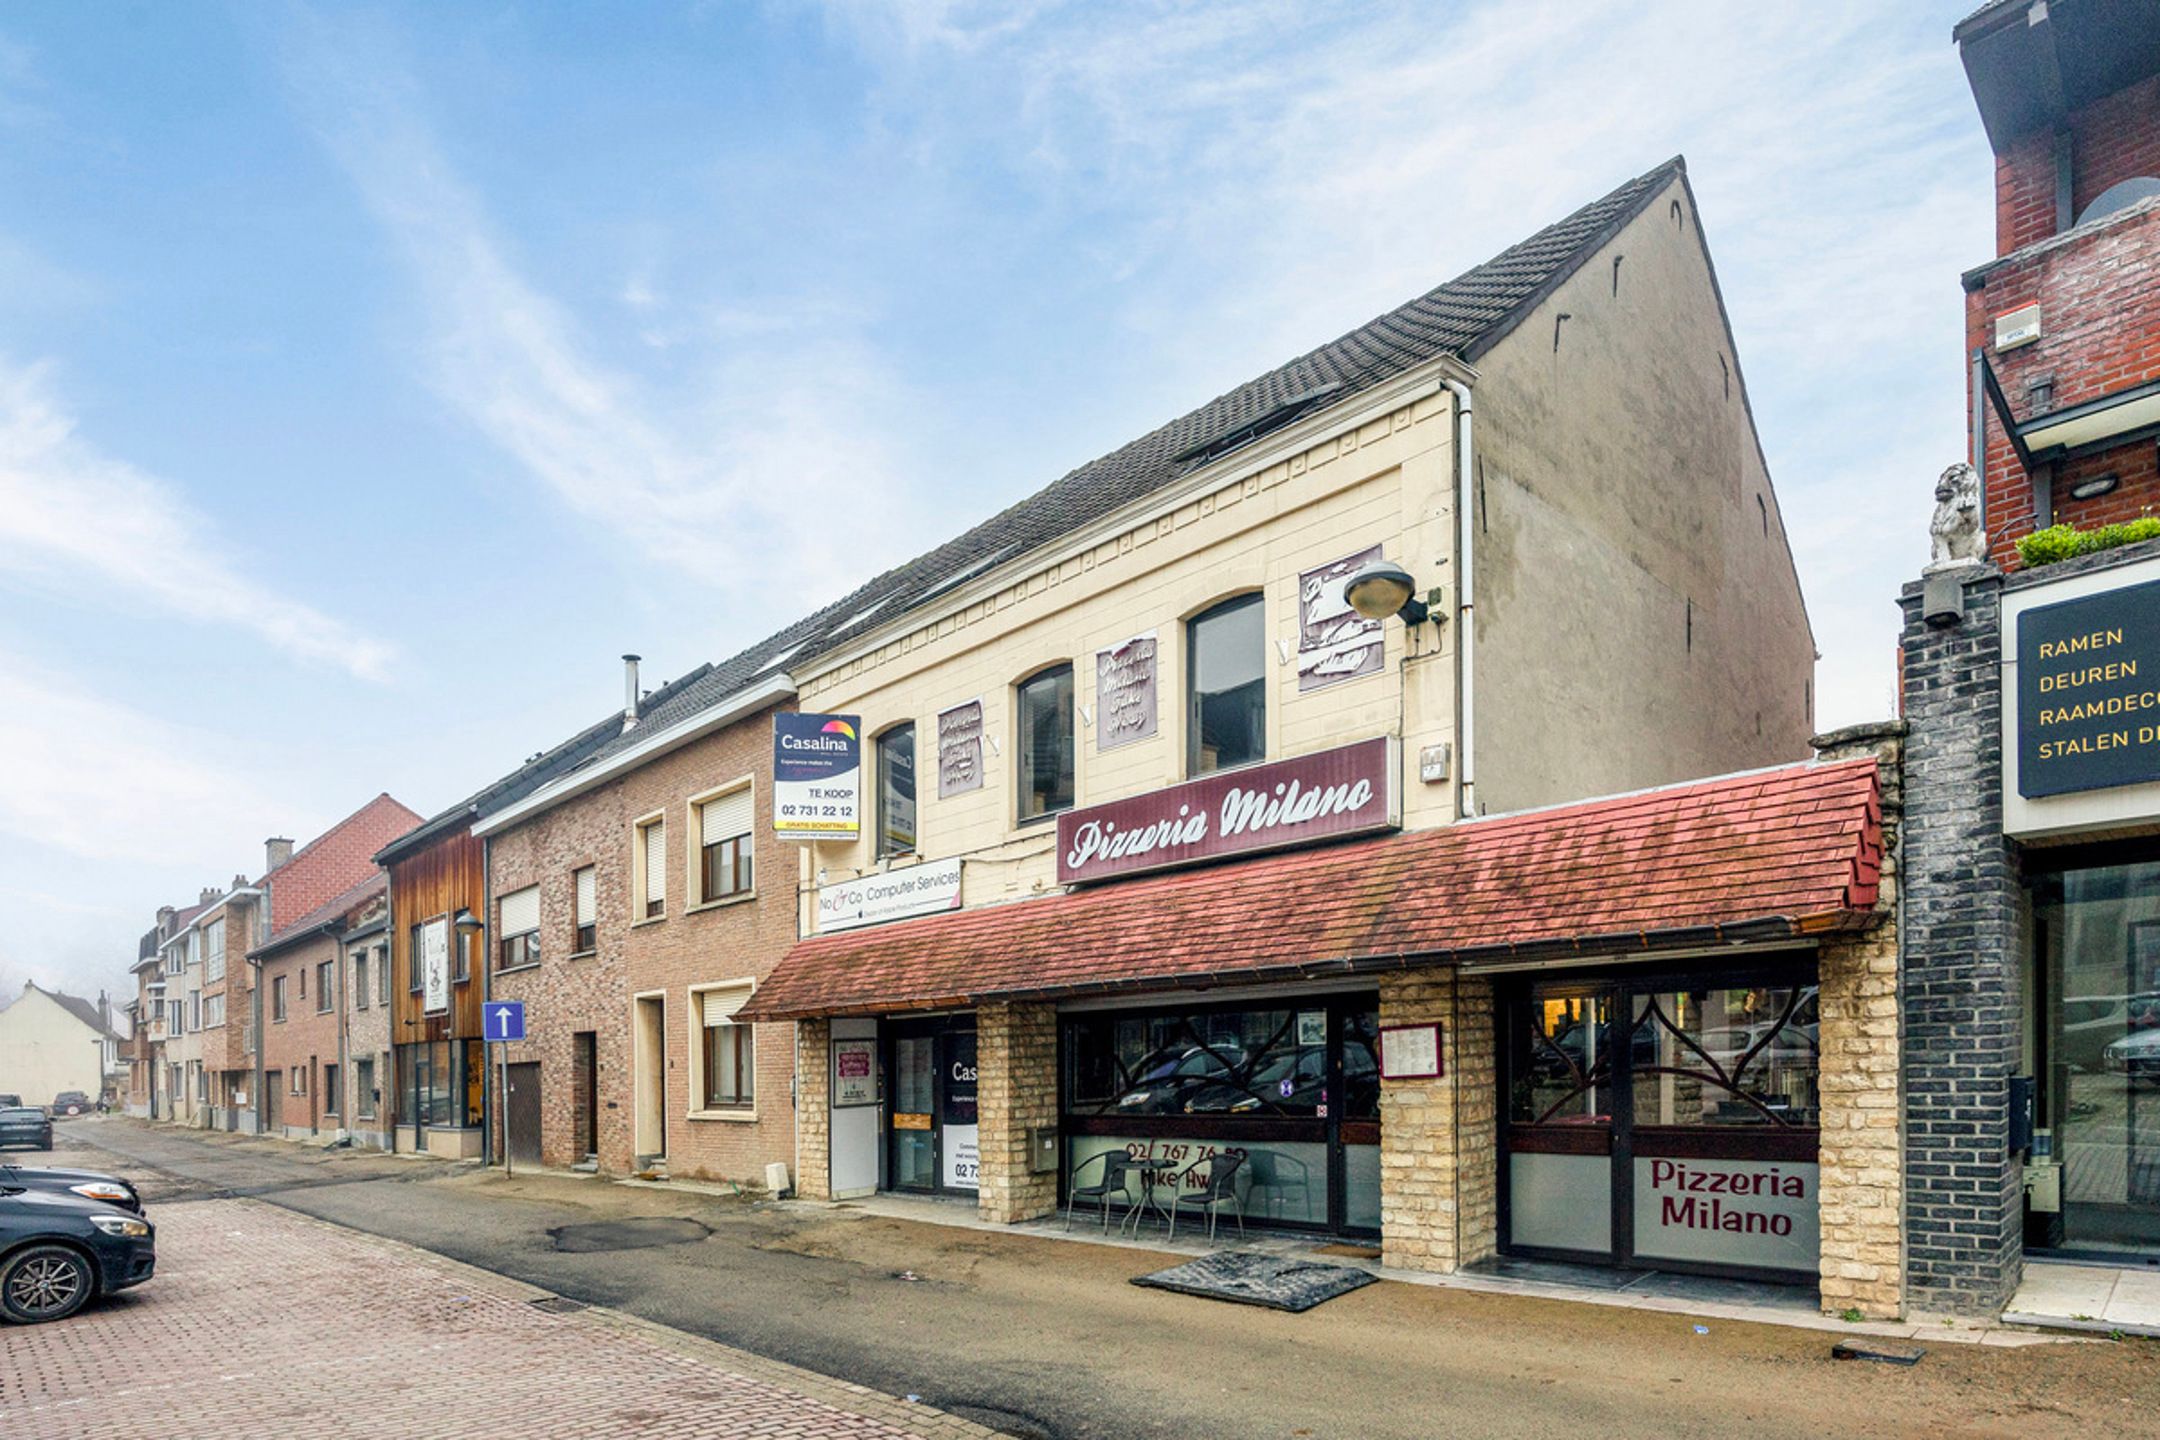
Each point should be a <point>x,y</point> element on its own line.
<point>341,969</point>
<point>391,1021</point>
<point>1465,604</point>
<point>485,960</point>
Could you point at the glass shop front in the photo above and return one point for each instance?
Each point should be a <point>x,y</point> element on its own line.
<point>1288,1087</point>
<point>1664,1121</point>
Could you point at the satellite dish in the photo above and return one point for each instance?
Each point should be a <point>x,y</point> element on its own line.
<point>2121,196</point>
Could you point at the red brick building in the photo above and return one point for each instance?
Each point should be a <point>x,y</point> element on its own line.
<point>638,901</point>
<point>312,993</point>
<point>2063,325</point>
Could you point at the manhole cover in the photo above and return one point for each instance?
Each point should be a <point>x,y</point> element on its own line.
<point>643,1234</point>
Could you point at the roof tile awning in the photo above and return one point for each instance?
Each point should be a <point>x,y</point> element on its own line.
<point>1767,855</point>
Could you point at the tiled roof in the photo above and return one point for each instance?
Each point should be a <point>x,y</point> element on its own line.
<point>1463,317</point>
<point>1763,855</point>
<point>334,861</point>
<point>513,787</point>
<point>83,1010</point>
<point>375,883</point>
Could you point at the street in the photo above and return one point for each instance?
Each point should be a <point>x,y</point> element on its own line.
<point>1028,1336</point>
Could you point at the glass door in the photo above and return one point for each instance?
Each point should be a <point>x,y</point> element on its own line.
<point>914,1112</point>
<point>1559,1181</point>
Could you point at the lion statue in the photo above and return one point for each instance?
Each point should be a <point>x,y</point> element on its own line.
<point>1955,531</point>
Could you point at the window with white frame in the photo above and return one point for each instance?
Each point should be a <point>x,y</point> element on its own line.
<point>214,950</point>
<point>364,1087</point>
<point>727,1052</point>
<point>585,910</point>
<point>725,846</point>
<point>648,858</point>
<point>298,1076</point>
<point>213,1011</point>
<point>176,1017</point>
<point>518,922</point>
<point>194,1010</point>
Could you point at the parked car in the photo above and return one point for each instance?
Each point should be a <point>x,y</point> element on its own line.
<point>89,1184</point>
<point>58,1252</point>
<point>72,1102</point>
<point>23,1125</point>
<point>2135,1056</point>
<point>10,1102</point>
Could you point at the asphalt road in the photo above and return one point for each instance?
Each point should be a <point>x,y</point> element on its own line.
<point>1044,1338</point>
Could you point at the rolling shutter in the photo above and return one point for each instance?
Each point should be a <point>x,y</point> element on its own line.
<point>727,817</point>
<point>721,1005</point>
<point>521,911</point>
<point>587,906</point>
<point>656,861</point>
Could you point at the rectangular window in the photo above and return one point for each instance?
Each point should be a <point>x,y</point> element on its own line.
<point>461,957</point>
<point>364,1088</point>
<point>518,922</point>
<point>214,950</point>
<point>176,1016</point>
<point>213,1011</point>
<point>1227,681</point>
<point>194,1010</point>
<point>651,865</point>
<point>325,993</point>
<point>586,898</point>
<point>896,791</point>
<point>412,959</point>
<point>1045,712</point>
<point>277,997</point>
<point>728,1052</point>
<point>330,1103</point>
<point>724,845</point>
<point>298,1077</point>
<point>360,979</point>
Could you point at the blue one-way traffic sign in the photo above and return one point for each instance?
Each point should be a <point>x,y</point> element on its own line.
<point>503,1020</point>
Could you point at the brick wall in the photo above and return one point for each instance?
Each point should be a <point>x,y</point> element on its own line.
<point>1438,1144</point>
<point>1963,904</point>
<point>2098,290</point>
<point>307,1039</point>
<point>814,1108</point>
<point>739,939</point>
<point>1016,1090</point>
<point>2112,139</point>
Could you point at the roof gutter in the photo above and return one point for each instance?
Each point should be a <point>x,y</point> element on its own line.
<point>776,688</point>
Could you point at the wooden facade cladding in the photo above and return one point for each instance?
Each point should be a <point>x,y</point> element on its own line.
<point>448,876</point>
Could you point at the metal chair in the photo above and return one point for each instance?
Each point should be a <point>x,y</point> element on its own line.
<point>1217,1189</point>
<point>1115,1183</point>
<point>1278,1174</point>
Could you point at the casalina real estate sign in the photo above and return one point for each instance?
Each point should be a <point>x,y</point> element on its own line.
<point>1326,796</point>
<point>817,777</point>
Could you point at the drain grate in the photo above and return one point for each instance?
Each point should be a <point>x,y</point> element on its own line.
<point>559,1305</point>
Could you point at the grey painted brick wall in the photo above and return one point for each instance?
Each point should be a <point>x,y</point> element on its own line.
<point>1963,907</point>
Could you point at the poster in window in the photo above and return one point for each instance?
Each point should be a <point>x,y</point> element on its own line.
<point>960,750</point>
<point>435,966</point>
<point>1125,691</point>
<point>1335,643</point>
<point>854,1073</point>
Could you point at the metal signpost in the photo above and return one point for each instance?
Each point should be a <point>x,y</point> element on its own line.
<point>501,1022</point>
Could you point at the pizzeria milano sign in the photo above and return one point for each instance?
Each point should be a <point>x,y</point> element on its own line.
<point>1327,796</point>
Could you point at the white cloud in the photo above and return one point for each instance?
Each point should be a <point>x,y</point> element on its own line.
<point>75,518</point>
<point>108,783</point>
<point>731,478</point>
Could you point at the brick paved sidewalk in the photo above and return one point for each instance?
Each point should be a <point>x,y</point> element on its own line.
<point>262,1323</point>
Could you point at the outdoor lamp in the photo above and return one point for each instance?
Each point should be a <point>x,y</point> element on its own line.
<point>1381,588</point>
<point>467,923</point>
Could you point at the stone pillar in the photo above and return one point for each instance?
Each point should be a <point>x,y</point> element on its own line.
<point>1963,942</point>
<point>1015,1093</point>
<point>1439,1146</point>
<point>813,1109</point>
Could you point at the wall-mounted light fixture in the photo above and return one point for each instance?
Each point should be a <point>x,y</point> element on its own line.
<point>2094,488</point>
<point>1381,588</point>
<point>467,923</point>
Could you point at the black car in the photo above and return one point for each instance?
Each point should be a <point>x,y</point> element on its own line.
<point>89,1184</point>
<point>72,1102</point>
<point>58,1252</point>
<point>23,1125</point>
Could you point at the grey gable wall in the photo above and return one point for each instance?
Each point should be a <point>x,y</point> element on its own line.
<point>1624,492</point>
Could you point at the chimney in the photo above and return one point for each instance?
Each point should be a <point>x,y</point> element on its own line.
<point>164,922</point>
<point>276,851</point>
<point>630,692</point>
<point>209,893</point>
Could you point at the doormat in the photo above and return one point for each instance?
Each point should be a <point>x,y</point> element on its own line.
<point>1278,1282</point>
<point>1352,1252</point>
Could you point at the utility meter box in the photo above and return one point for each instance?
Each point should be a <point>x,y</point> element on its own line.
<point>1042,1150</point>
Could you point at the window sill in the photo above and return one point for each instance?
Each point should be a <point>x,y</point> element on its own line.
<point>648,920</point>
<point>518,969</point>
<point>722,903</point>
<point>577,955</point>
<point>744,1116</point>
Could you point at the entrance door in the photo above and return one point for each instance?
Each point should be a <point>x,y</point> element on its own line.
<point>585,1065</point>
<point>649,1041</point>
<point>1668,1122</point>
<point>522,1113</point>
<point>932,1132</point>
<point>274,1101</point>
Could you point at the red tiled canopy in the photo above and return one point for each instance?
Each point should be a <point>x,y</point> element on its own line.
<point>1765,855</point>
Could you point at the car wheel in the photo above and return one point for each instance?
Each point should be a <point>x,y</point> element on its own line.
<point>44,1282</point>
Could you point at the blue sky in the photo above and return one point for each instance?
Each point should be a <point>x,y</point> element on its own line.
<point>371,376</point>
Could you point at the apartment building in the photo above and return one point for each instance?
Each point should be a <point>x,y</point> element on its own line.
<point>323,1043</point>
